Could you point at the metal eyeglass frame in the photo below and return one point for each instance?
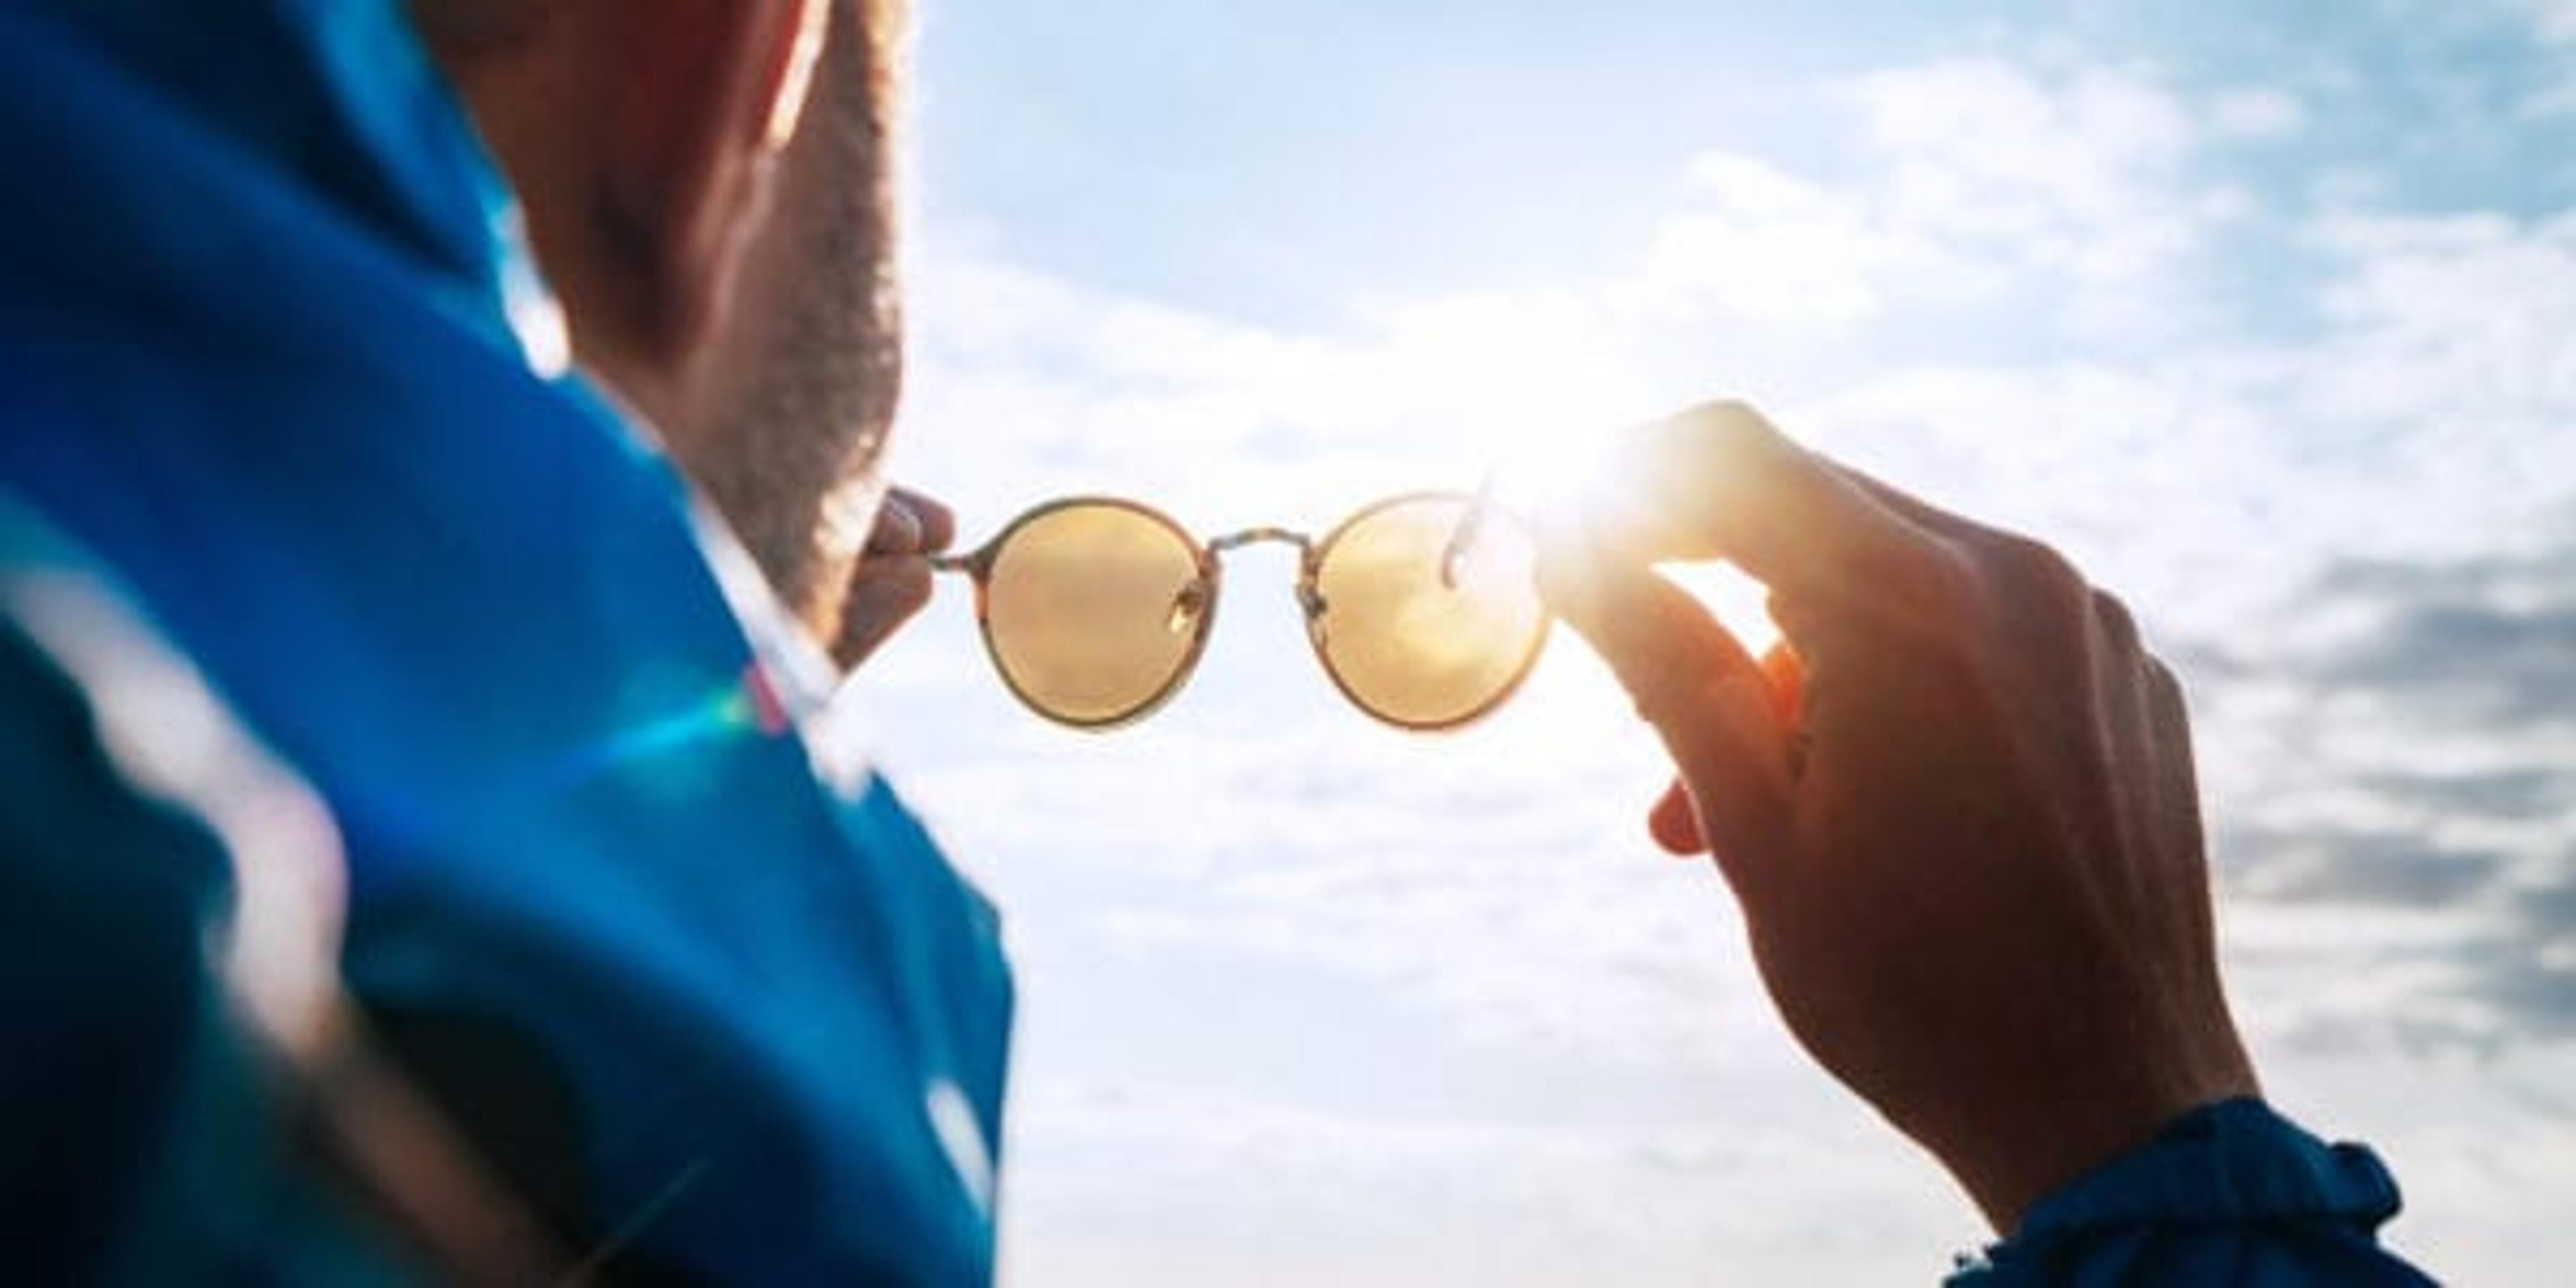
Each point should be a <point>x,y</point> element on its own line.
<point>1199,599</point>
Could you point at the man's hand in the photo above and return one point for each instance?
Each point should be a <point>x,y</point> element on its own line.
<point>1957,808</point>
<point>892,580</point>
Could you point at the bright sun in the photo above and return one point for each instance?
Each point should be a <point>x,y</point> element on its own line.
<point>1556,477</point>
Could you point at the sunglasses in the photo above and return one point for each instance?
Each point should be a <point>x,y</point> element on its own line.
<point>1423,609</point>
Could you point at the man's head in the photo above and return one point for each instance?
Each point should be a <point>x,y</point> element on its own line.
<point>708,186</point>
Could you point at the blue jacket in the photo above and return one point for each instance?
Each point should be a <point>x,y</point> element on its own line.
<point>2231,1194</point>
<point>258,367</point>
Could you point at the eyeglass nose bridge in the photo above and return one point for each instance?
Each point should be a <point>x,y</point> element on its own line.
<point>1308,597</point>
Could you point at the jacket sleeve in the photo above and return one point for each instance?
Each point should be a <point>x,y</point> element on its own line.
<point>2231,1195</point>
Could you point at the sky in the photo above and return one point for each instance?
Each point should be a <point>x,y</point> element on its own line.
<point>2264,312</point>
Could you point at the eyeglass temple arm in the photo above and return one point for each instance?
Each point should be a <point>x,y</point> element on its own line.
<point>1453,557</point>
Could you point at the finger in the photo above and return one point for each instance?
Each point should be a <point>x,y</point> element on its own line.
<point>1788,677</point>
<point>1914,509</point>
<point>1999,555</point>
<point>2123,697</point>
<point>2185,882</point>
<point>1674,822</point>
<point>898,528</point>
<point>1719,482</point>
<point>1704,695</point>
<point>885,593</point>
<point>2177,781</point>
<point>2169,715</point>
<point>938,524</point>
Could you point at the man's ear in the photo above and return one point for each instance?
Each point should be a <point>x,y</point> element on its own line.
<point>702,96</point>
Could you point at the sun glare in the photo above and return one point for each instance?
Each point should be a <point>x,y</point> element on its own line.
<point>1566,480</point>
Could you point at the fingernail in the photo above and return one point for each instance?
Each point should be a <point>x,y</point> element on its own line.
<point>906,524</point>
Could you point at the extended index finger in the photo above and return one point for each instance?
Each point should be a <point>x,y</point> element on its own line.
<point>1718,481</point>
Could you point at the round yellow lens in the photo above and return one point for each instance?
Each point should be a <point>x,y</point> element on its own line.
<point>1430,609</point>
<point>1094,610</point>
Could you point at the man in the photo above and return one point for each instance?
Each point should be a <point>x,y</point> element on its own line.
<point>708,1002</point>
<point>276,368</point>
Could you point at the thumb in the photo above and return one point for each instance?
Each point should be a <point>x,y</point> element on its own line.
<point>885,592</point>
<point>1705,696</point>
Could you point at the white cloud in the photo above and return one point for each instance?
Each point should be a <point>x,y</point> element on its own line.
<point>1769,246</point>
<point>2467,322</point>
<point>2553,20</point>
<point>2074,174</point>
<point>1235,1188</point>
<point>1987,186</point>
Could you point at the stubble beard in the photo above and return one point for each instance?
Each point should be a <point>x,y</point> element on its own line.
<point>789,452</point>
